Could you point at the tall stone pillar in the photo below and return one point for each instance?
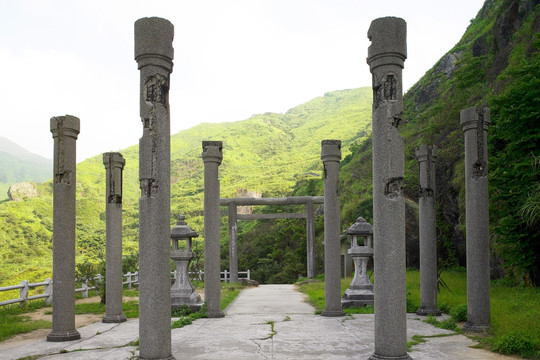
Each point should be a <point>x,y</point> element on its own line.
<point>331,157</point>
<point>475,124</point>
<point>310,238</point>
<point>212,157</point>
<point>386,57</point>
<point>426,156</point>
<point>114,164</point>
<point>233,242</point>
<point>65,130</point>
<point>154,55</point>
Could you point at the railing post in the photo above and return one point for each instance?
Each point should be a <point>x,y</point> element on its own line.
<point>48,291</point>
<point>85,289</point>
<point>200,275</point>
<point>128,278</point>
<point>249,274</point>
<point>136,276</point>
<point>23,293</point>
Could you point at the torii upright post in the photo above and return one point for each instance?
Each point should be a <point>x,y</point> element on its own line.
<point>386,57</point>
<point>310,238</point>
<point>233,242</point>
<point>65,130</point>
<point>475,124</point>
<point>154,55</point>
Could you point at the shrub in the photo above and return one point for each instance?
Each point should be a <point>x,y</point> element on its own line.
<point>459,313</point>
<point>449,324</point>
<point>514,343</point>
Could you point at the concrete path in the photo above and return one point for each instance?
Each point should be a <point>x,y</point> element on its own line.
<point>266,322</point>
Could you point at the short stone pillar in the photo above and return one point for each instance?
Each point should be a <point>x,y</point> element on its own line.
<point>426,156</point>
<point>386,57</point>
<point>233,242</point>
<point>475,124</point>
<point>212,157</point>
<point>183,292</point>
<point>65,130</point>
<point>154,55</point>
<point>360,291</point>
<point>114,164</point>
<point>331,157</point>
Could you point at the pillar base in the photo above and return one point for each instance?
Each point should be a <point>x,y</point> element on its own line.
<point>381,357</point>
<point>216,314</point>
<point>113,319</point>
<point>63,335</point>
<point>333,313</point>
<point>428,312</point>
<point>475,328</point>
<point>167,358</point>
<point>347,303</point>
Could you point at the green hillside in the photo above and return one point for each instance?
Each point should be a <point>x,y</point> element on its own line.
<point>495,64</point>
<point>18,164</point>
<point>268,153</point>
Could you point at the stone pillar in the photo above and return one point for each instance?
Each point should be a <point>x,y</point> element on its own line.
<point>331,157</point>
<point>212,157</point>
<point>65,130</point>
<point>426,156</point>
<point>154,55</point>
<point>386,57</point>
<point>233,242</point>
<point>114,164</point>
<point>475,124</point>
<point>310,238</point>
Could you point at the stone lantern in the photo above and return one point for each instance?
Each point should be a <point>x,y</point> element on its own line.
<point>360,291</point>
<point>183,291</point>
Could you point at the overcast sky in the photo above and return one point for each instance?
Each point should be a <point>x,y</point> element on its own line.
<point>233,59</point>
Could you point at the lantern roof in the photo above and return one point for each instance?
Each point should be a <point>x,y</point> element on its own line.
<point>360,227</point>
<point>181,230</point>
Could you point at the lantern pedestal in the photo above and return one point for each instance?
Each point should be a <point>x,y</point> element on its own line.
<point>183,292</point>
<point>360,291</point>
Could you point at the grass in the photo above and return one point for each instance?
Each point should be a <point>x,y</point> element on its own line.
<point>514,310</point>
<point>14,321</point>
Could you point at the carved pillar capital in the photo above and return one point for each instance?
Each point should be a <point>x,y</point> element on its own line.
<point>212,151</point>
<point>67,125</point>
<point>388,42</point>
<point>153,43</point>
<point>331,150</point>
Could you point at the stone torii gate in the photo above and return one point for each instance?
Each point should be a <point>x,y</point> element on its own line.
<point>309,215</point>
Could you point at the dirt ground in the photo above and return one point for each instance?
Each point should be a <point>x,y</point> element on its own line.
<point>80,321</point>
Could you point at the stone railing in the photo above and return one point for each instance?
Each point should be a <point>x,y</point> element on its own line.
<point>131,279</point>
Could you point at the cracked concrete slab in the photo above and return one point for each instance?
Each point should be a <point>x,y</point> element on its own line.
<point>245,333</point>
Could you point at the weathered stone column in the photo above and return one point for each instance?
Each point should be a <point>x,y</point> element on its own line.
<point>310,238</point>
<point>154,54</point>
<point>65,130</point>
<point>386,57</point>
<point>331,157</point>
<point>114,164</point>
<point>426,156</point>
<point>212,157</point>
<point>475,124</point>
<point>233,242</point>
